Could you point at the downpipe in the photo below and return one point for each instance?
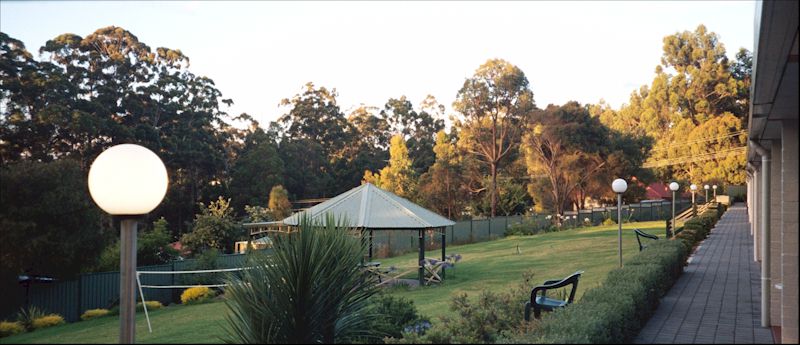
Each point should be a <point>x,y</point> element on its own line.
<point>766,278</point>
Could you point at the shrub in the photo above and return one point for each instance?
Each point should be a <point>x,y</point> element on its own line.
<point>151,305</point>
<point>309,290</point>
<point>10,328</point>
<point>609,221</point>
<point>197,294</point>
<point>26,316</point>
<point>483,321</point>
<point>393,315</point>
<point>520,229</point>
<point>94,313</point>
<point>47,321</point>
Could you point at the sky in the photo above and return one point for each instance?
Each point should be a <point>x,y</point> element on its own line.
<point>259,53</point>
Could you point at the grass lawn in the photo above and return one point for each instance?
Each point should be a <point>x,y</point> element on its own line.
<point>496,266</point>
<point>493,265</point>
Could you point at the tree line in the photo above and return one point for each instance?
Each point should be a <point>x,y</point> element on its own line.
<point>502,153</point>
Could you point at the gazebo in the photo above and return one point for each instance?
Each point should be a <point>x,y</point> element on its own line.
<point>370,208</point>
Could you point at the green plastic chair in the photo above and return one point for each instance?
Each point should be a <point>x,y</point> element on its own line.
<point>543,303</point>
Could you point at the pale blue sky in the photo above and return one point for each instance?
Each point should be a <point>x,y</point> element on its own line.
<point>261,52</point>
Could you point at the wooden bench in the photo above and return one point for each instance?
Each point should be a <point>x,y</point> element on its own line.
<point>640,234</point>
<point>540,303</point>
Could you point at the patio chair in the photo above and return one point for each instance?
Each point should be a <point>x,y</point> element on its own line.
<point>540,303</point>
<point>640,234</point>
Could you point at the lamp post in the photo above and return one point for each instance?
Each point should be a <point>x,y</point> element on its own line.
<point>715,192</point>
<point>693,187</point>
<point>674,186</point>
<point>619,186</point>
<point>127,181</point>
<point>706,187</point>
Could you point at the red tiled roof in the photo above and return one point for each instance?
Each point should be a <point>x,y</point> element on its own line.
<point>658,190</point>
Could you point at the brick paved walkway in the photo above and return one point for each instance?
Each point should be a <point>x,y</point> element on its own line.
<point>718,297</point>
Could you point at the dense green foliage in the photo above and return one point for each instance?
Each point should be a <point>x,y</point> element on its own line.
<point>49,223</point>
<point>391,315</point>
<point>214,228</point>
<point>695,109</point>
<point>482,321</point>
<point>153,248</point>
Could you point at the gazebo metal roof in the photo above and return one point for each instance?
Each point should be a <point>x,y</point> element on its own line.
<point>369,207</point>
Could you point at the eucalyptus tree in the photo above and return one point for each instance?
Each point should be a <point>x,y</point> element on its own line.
<point>418,128</point>
<point>496,103</point>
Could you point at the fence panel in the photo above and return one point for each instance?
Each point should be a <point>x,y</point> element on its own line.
<point>101,290</point>
<point>462,232</point>
<point>481,230</point>
<point>60,298</point>
<point>498,227</point>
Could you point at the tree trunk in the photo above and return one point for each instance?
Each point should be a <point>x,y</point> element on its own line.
<point>494,189</point>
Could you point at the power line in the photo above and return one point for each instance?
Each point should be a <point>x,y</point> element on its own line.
<point>733,134</point>
<point>696,157</point>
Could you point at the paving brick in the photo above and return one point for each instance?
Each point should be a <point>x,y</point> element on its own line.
<point>717,299</point>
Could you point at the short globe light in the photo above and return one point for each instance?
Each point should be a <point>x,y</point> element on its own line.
<point>706,187</point>
<point>693,187</point>
<point>619,186</point>
<point>674,186</point>
<point>128,180</point>
<point>714,186</point>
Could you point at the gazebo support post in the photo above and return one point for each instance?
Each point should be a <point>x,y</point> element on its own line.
<point>371,234</point>
<point>444,243</point>
<point>421,257</point>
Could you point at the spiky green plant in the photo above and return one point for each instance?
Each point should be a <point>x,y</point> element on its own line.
<point>310,289</point>
<point>26,316</point>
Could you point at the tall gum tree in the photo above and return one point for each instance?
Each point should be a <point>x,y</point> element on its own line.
<point>496,103</point>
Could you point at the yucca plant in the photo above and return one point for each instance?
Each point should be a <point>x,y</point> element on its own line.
<point>25,316</point>
<point>310,289</point>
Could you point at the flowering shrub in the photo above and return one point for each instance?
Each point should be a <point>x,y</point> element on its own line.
<point>151,305</point>
<point>197,294</point>
<point>27,315</point>
<point>47,321</point>
<point>94,313</point>
<point>10,328</point>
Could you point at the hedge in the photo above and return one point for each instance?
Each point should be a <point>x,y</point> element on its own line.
<point>616,311</point>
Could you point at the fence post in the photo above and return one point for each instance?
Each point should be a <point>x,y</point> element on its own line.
<point>172,276</point>
<point>471,238</point>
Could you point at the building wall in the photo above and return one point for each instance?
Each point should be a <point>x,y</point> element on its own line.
<point>789,233</point>
<point>775,233</point>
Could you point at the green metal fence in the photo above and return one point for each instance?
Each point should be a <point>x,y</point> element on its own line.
<point>101,290</point>
<point>396,242</point>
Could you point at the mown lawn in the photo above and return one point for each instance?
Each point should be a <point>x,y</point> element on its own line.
<point>496,266</point>
<point>493,265</point>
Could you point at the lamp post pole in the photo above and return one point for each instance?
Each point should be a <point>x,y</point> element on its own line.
<point>715,192</point>
<point>674,186</point>
<point>619,186</point>
<point>706,187</point>
<point>127,287</point>
<point>127,181</point>
<point>619,221</point>
<point>693,187</point>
